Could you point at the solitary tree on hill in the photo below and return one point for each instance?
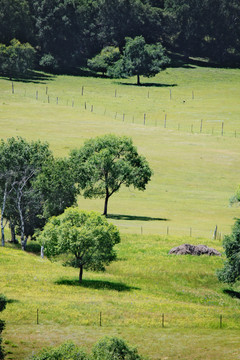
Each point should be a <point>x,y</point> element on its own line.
<point>106,163</point>
<point>86,235</point>
<point>139,59</point>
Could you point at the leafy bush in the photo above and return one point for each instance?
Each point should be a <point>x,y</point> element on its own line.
<point>109,348</point>
<point>48,62</point>
<point>231,243</point>
<point>112,348</point>
<point>3,302</point>
<point>17,58</point>
<point>66,351</point>
<point>107,57</point>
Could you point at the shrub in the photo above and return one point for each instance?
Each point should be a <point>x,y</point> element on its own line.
<point>66,351</point>
<point>48,62</point>
<point>112,348</point>
<point>17,58</point>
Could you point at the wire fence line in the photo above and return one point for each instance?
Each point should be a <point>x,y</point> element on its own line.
<point>155,320</point>
<point>154,119</point>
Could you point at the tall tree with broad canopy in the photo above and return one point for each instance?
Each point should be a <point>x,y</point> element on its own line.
<point>139,59</point>
<point>86,235</point>
<point>106,163</point>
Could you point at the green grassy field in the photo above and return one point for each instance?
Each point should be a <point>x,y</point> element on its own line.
<point>196,171</point>
<point>132,295</point>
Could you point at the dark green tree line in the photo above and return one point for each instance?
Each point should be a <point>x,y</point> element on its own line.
<point>66,33</point>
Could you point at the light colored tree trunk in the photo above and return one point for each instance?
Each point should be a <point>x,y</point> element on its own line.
<point>2,213</point>
<point>42,251</point>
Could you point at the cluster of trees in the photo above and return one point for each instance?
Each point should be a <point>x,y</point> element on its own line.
<point>66,33</point>
<point>108,348</point>
<point>33,186</point>
<point>137,58</point>
<point>36,187</point>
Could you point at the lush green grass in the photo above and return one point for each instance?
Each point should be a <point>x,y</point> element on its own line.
<point>132,295</point>
<point>194,174</point>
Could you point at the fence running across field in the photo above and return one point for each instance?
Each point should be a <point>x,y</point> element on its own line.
<point>214,127</point>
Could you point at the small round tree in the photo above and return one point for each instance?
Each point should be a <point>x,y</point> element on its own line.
<point>86,235</point>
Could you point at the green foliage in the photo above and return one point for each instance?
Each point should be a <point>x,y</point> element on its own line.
<point>48,62</point>
<point>66,351</point>
<point>207,28</point>
<point>231,243</point>
<point>57,186</point>
<point>106,58</point>
<point>112,348</point>
<point>15,21</point>
<point>3,302</point>
<point>108,348</point>
<point>16,59</point>
<point>106,163</point>
<point>139,58</point>
<point>86,235</point>
<point>33,185</point>
<point>21,202</point>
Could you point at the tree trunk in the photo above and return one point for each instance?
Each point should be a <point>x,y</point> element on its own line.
<point>13,234</point>
<point>2,213</point>
<point>23,242</point>
<point>80,274</point>
<point>42,251</point>
<point>2,231</point>
<point>106,205</point>
<point>138,79</point>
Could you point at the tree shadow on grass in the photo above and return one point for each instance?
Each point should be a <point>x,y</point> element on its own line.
<point>232,293</point>
<point>97,284</point>
<point>134,217</point>
<point>31,77</point>
<point>147,84</point>
<point>12,301</point>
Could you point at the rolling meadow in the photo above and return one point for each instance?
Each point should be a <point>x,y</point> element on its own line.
<point>185,121</point>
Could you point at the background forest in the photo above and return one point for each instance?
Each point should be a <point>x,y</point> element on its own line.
<point>65,33</point>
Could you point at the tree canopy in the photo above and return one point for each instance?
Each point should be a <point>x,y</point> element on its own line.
<point>86,235</point>
<point>107,162</point>
<point>230,273</point>
<point>68,33</point>
<point>139,58</point>
<point>33,186</point>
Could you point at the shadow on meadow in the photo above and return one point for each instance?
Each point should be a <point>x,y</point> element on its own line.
<point>97,284</point>
<point>146,84</point>
<point>12,301</point>
<point>232,293</point>
<point>31,77</point>
<point>134,217</point>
